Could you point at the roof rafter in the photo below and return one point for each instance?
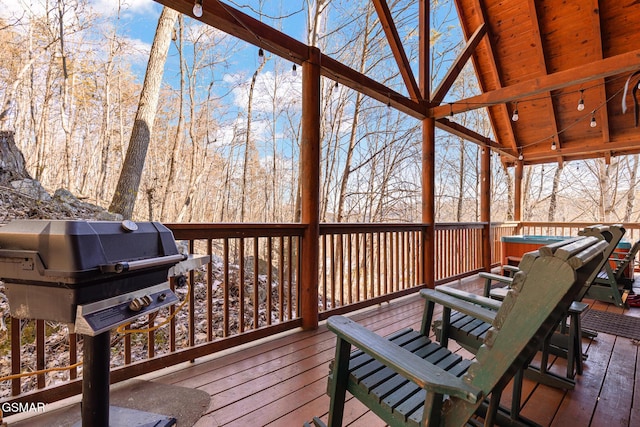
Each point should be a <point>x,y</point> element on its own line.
<point>494,66</point>
<point>458,65</point>
<point>542,63</point>
<point>471,136</point>
<point>602,93</point>
<point>618,64</point>
<point>390,30</point>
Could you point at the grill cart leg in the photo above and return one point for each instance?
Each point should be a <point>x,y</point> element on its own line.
<point>95,380</point>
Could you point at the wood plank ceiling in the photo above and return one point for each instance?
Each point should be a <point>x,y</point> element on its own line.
<point>545,55</point>
<point>537,56</point>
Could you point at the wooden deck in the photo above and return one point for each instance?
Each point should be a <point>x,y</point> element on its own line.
<point>282,381</point>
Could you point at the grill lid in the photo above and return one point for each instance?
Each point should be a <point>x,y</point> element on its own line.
<point>75,251</point>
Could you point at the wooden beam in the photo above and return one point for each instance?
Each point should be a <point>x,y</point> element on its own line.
<point>310,188</point>
<point>458,65</point>
<point>618,64</point>
<point>603,113</point>
<point>542,64</point>
<point>384,14</point>
<point>517,194</point>
<point>485,207</point>
<point>424,56</point>
<point>428,153</point>
<point>588,149</point>
<point>428,201</point>
<point>509,139</point>
<point>232,21</point>
<point>473,136</point>
<point>349,77</point>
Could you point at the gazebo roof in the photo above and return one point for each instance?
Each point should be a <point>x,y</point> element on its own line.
<point>545,55</point>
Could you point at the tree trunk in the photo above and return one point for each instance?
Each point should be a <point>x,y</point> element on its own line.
<point>179,135</point>
<point>631,196</point>
<point>459,209</point>
<point>11,159</point>
<point>553,199</point>
<point>124,198</point>
<point>249,149</point>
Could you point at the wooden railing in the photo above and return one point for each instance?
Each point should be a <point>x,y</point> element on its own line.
<point>359,265</point>
<point>228,305</point>
<point>363,264</point>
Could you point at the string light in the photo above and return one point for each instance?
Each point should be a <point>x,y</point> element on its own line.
<point>336,85</point>
<point>294,70</point>
<point>261,56</point>
<point>581,102</point>
<point>197,8</point>
<point>554,147</point>
<point>515,116</point>
<point>593,119</point>
<point>521,156</point>
<point>450,109</point>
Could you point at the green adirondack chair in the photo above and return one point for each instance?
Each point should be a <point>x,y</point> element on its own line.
<point>408,380</point>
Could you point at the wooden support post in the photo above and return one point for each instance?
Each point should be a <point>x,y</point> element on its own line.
<point>310,188</point>
<point>485,207</point>
<point>428,151</point>
<point>428,201</point>
<point>517,199</point>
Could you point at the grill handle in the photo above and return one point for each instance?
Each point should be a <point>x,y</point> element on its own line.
<point>120,267</point>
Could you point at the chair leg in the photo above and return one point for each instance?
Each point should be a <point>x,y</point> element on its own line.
<point>492,411</point>
<point>338,385</point>
<point>516,398</point>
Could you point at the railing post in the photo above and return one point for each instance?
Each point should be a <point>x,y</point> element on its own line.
<point>310,193</point>
<point>485,207</point>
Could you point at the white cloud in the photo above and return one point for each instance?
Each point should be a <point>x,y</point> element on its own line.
<point>133,7</point>
<point>282,89</point>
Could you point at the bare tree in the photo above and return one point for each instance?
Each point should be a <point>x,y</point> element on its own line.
<point>126,191</point>
<point>553,198</point>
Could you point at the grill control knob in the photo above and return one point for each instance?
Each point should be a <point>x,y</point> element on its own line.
<point>135,304</point>
<point>138,304</point>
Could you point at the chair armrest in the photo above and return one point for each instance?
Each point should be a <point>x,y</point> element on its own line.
<point>470,297</point>
<point>405,363</point>
<point>491,277</point>
<point>459,305</point>
<point>512,269</point>
<point>497,278</point>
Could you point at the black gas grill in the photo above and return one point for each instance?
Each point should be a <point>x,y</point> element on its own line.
<point>93,275</point>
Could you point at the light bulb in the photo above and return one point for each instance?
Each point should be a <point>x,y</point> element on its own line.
<point>261,56</point>
<point>639,85</point>
<point>294,70</point>
<point>520,157</point>
<point>593,121</point>
<point>553,145</point>
<point>197,8</point>
<point>581,102</point>
<point>515,116</point>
